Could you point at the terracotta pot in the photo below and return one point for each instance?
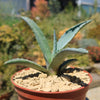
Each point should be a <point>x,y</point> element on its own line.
<point>27,94</point>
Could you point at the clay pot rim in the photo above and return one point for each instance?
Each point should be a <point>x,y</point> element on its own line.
<point>43,92</point>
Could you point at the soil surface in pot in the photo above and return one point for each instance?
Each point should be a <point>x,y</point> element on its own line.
<point>72,78</point>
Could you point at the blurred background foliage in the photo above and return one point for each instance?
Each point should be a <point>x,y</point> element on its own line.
<point>17,39</point>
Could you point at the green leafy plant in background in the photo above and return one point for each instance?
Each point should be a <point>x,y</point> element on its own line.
<point>55,61</point>
<point>69,7</point>
<point>54,6</point>
<point>82,61</point>
<point>5,83</point>
<point>95,6</point>
<point>10,40</point>
<point>12,44</point>
<point>7,13</point>
<point>94,33</point>
<point>8,20</point>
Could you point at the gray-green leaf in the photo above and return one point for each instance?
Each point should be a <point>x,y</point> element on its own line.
<point>54,44</point>
<point>40,38</point>
<point>26,62</point>
<point>68,35</point>
<point>60,57</point>
<point>65,64</point>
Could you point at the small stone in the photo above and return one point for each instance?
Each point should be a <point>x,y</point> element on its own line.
<point>47,89</point>
<point>42,75</point>
<point>42,82</point>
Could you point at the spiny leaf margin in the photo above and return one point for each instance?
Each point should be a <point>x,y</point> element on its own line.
<point>40,38</point>
<point>69,34</point>
<point>54,45</point>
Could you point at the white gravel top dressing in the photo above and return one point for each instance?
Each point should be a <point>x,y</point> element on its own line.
<point>35,80</point>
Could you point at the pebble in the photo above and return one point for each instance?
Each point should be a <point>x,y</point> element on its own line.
<point>49,83</point>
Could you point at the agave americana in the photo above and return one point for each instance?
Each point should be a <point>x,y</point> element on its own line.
<point>55,60</point>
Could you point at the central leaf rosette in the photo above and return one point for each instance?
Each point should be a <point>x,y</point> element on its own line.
<point>55,60</point>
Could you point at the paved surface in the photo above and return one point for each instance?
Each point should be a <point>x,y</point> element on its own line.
<point>97,66</point>
<point>93,94</point>
<point>95,81</point>
<point>94,91</point>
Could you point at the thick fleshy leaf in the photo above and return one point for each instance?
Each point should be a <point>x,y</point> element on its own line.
<point>54,45</point>
<point>68,35</point>
<point>65,64</point>
<point>40,38</point>
<point>60,57</point>
<point>27,63</point>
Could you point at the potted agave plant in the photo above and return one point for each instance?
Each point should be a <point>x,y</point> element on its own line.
<point>56,81</point>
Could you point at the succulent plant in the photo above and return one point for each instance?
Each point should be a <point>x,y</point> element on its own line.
<point>55,60</point>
